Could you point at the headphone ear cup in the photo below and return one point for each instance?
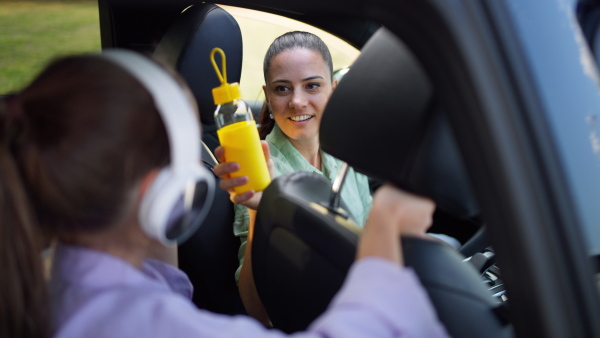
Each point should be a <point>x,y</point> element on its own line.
<point>175,205</point>
<point>196,202</point>
<point>157,203</point>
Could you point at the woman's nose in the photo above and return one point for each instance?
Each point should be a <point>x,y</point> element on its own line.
<point>298,100</point>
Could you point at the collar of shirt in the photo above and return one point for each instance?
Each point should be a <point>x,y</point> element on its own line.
<point>282,148</point>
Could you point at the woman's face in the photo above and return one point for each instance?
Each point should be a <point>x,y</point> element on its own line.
<point>297,89</point>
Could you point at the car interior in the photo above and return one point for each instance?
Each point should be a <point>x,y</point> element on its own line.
<point>185,44</point>
<point>297,268</point>
<point>209,257</point>
<point>284,276</point>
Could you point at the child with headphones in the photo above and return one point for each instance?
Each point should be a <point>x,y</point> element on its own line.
<point>96,154</point>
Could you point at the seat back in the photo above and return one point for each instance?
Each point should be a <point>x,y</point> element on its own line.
<point>186,46</point>
<point>300,255</point>
<point>209,257</point>
<point>292,250</point>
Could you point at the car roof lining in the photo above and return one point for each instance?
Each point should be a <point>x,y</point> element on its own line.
<point>124,25</point>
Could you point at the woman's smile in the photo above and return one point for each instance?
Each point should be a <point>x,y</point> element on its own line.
<point>300,118</point>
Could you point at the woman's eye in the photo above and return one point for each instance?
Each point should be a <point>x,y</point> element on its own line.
<point>282,89</point>
<point>313,86</point>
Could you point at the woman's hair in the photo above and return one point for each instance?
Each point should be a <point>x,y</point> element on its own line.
<point>290,40</point>
<point>73,145</point>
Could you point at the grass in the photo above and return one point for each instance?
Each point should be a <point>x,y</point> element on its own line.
<point>33,33</point>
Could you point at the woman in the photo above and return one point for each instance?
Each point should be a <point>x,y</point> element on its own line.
<point>84,150</point>
<point>299,80</point>
<point>298,73</point>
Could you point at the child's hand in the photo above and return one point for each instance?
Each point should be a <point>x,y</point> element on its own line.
<point>411,214</point>
<point>395,212</point>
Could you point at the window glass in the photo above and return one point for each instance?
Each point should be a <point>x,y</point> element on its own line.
<point>564,69</point>
<point>33,33</point>
<point>260,29</point>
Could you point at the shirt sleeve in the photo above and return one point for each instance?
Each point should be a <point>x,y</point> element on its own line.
<point>365,195</point>
<point>170,276</point>
<point>357,196</point>
<point>378,299</point>
<point>241,224</point>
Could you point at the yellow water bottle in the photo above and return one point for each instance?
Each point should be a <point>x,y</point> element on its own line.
<point>237,132</point>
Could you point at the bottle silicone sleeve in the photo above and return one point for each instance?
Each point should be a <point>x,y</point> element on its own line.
<point>242,145</point>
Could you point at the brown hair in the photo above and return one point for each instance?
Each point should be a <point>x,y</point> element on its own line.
<point>73,145</point>
<point>290,40</point>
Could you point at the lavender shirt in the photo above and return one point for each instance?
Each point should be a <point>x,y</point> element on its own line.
<point>95,294</point>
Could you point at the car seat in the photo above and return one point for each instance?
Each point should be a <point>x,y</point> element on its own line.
<point>186,46</point>
<point>302,251</point>
<point>209,257</point>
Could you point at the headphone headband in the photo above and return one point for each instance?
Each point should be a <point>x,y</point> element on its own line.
<point>174,106</point>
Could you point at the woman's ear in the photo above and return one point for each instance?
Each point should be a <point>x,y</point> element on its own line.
<point>267,99</point>
<point>265,92</point>
<point>334,83</point>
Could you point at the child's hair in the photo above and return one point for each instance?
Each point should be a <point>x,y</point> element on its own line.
<point>74,144</point>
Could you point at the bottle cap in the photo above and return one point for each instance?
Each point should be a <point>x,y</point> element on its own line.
<point>226,92</point>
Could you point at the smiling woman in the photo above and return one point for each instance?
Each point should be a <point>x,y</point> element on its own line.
<point>298,74</point>
<point>35,32</point>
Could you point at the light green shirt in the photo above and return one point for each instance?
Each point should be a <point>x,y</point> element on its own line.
<point>286,159</point>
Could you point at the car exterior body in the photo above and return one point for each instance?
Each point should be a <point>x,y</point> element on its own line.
<point>520,87</point>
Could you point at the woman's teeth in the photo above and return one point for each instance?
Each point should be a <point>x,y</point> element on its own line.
<point>300,118</point>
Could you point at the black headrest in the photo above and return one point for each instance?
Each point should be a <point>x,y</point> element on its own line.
<point>187,44</point>
<point>382,120</point>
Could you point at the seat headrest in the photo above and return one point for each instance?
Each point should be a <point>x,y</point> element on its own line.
<point>186,47</point>
<point>382,120</point>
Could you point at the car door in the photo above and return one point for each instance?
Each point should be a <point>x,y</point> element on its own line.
<point>518,85</point>
<point>516,80</point>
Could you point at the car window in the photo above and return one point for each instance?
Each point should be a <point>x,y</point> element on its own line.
<point>33,33</point>
<point>580,127</point>
<point>259,29</point>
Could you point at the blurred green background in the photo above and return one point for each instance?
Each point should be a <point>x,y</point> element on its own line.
<point>33,33</point>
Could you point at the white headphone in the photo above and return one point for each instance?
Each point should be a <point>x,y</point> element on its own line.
<point>178,200</point>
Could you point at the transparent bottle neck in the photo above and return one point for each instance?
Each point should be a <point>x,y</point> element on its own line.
<point>232,112</point>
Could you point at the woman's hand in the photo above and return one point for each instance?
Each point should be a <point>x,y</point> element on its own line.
<point>224,169</point>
